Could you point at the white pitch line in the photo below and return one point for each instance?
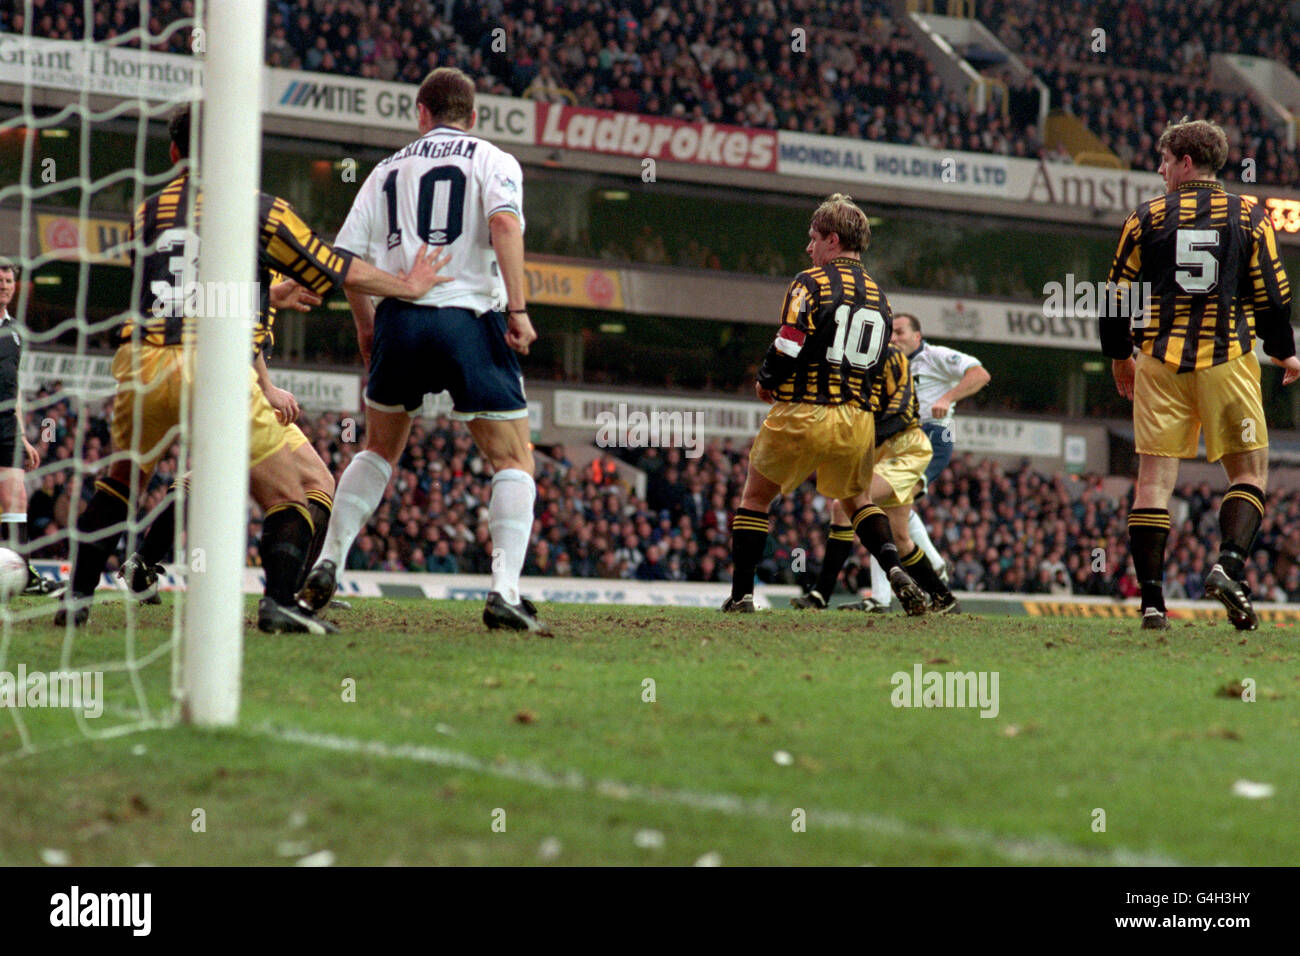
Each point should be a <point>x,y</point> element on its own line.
<point>1017,849</point>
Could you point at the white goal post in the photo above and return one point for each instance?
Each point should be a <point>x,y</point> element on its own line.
<point>229,169</point>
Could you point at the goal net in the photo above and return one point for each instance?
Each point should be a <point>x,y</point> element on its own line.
<point>86,91</point>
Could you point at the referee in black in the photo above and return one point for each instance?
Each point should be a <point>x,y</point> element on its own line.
<point>13,488</point>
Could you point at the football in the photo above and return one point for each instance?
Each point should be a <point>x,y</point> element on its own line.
<point>13,574</point>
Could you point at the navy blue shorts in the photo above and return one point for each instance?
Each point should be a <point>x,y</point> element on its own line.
<point>941,444</point>
<point>420,349</point>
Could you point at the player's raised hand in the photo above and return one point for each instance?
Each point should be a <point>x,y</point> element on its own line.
<point>1125,371</point>
<point>1290,368</point>
<point>424,273</point>
<point>520,333</point>
<point>292,296</point>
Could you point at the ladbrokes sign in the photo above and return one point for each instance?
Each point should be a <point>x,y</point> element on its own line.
<point>652,137</point>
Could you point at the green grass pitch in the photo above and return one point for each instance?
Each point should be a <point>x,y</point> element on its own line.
<point>770,739</point>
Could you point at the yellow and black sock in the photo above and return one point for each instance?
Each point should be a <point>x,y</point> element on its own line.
<point>161,536</point>
<point>1148,531</point>
<point>872,528</point>
<point>748,539</point>
<point>98,530</point>
<point>1239,517</point>
<point>286,538</point>
<point>920,570</point>
<point>320,506</point>
<point>839,545</point>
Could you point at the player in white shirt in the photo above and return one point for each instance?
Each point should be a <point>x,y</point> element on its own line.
<point>454,190</point>
<point>941,377</point>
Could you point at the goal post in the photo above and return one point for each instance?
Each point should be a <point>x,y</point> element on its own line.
<point>229,171</point>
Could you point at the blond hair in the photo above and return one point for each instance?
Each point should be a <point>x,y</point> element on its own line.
<point>838,214</point>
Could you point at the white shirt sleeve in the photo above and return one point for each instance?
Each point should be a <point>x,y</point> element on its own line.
<point>361,232</point>
<point>954,363</point>
<point>503,187</point>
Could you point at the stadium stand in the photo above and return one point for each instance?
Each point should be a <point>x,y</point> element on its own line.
<point>1124,106</point>
<point>1154,69</point>
<point>65,20</point>
<point>1164,36</point>
<point>732,62</point>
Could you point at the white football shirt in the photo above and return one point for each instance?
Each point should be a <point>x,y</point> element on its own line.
<point>441,190</point>
<point>936,370</point>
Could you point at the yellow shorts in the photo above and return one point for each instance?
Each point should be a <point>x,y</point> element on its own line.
<point>836,441</point>
<point>150,387</point>
<point>296,438</point>
<point>266,435</point>
<point>1169,409</point>
<point>901,461</point>
<point>147,406</point>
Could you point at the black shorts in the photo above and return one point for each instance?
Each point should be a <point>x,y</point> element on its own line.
<point>420,349</point>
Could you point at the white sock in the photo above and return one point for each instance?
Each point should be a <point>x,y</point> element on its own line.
<point>359,493</point>
<point>921,537</point>
<point>11,521</point>
<point>510,519</point>
<point>880,589</point>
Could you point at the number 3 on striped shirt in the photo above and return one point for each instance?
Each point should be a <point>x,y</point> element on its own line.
<point>847,330</point>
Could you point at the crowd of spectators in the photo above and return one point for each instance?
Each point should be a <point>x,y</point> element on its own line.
<point>1008,530</point>
<point>111,19</point>
<point>1162,36</point>
<point>1127,69</point>
<point>1128,109</point>
<point>817,66</point>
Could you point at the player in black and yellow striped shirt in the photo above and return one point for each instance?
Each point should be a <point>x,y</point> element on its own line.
<point>1216,283</point>
<point>274,415</point>
<point>840,320</point>
<point>153,367</point>
<point>902,454</point>
<point>817,377</point>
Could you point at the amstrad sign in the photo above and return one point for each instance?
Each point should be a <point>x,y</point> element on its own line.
<point>1111,190</point>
